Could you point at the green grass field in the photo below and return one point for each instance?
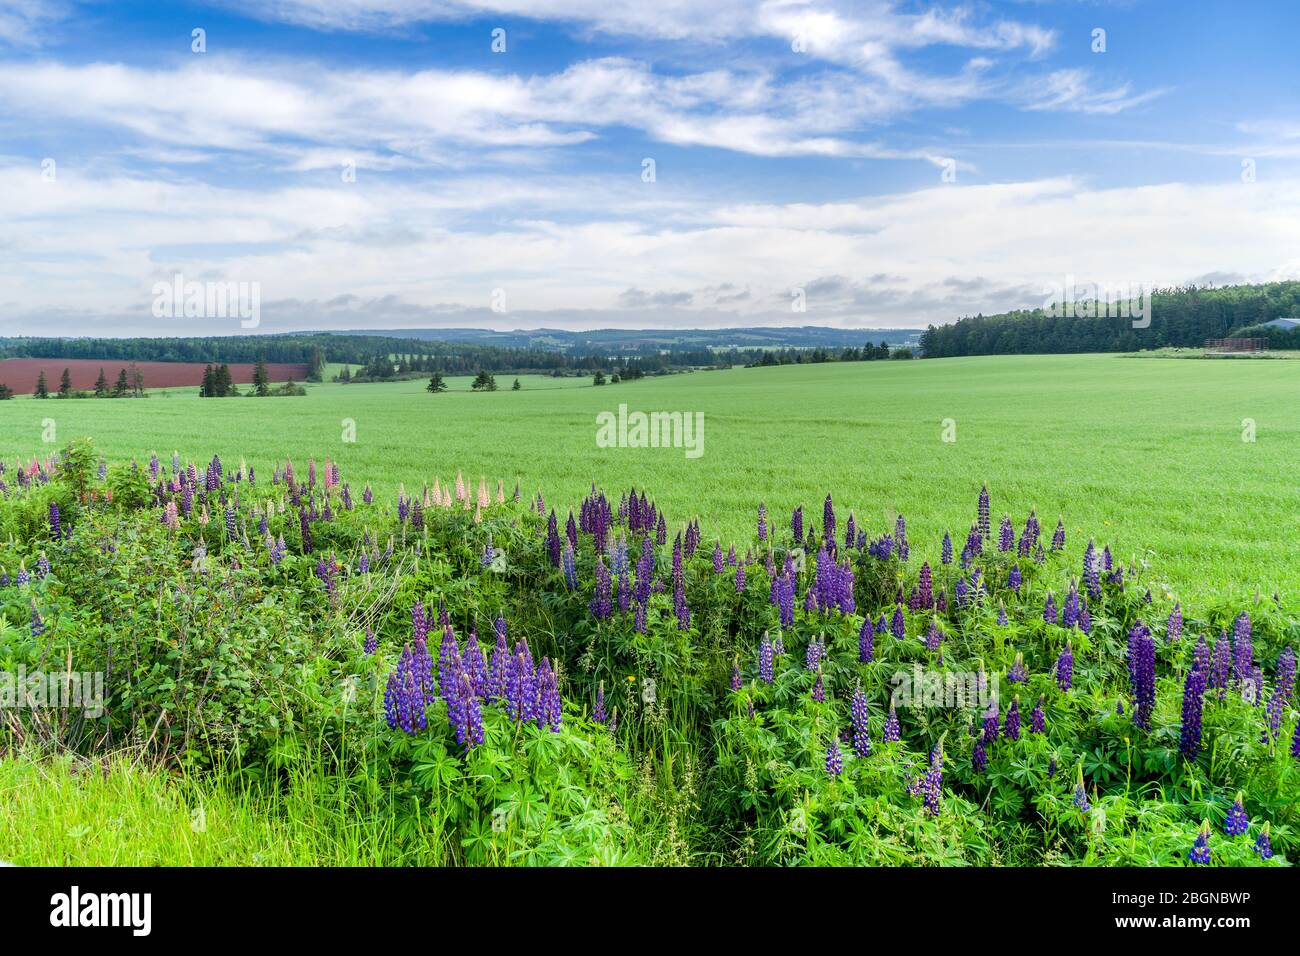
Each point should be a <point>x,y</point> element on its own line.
<point>1149,452</point>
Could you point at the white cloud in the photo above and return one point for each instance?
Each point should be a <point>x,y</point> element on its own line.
<point>24,22</point>
<point>85,245</point>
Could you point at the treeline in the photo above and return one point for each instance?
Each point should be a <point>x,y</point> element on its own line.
<point>218,383</point>
<point>868,353</point>
<point>1180,317</point>
<point>127,386</point>
<point>370,353</point>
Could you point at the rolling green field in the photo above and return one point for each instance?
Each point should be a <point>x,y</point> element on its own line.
<point>1151,451</point>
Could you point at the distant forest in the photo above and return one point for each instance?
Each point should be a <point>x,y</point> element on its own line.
<point>1179,317</point>
<point>371,357</point>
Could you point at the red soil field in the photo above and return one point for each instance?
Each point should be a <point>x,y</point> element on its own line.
<point>20,374</point>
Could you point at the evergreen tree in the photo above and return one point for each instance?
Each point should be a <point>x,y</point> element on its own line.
<point>484,382</point>
<point>137,382</point>
<point>101,385</point>
<point>6,392</point>
<point>208,388</point>
<point>261,379</point>
<point>598,378</point>
<point>436,384</point>
<point>120,389</point>
<point>516,387</point>
<point>65,384</point>
<point>42,390</point>
<point>316,365</point>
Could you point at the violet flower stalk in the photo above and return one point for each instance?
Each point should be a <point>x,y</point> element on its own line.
<point>1189,743</point>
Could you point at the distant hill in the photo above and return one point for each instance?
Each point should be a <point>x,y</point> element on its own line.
<point>618,340</point>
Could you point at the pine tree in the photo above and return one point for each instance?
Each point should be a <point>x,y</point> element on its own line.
<point>65,384</point>
<point>101,385</point>
<point>137,382</point>
<point>516,387</point>
<point>120,389</point>
<point>208,388</point>
<point>261,379</point>
<point>6,392</point>
<point>598,378</point>
<point>484,382</point>
<point>436,384</point>
<point>42,390</point>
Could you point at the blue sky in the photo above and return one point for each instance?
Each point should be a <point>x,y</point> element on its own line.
<point>883,164</point>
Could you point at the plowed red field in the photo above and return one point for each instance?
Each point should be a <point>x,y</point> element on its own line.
<point>20,374</point>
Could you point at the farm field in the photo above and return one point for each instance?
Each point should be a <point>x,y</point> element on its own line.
<point>360,658</point>
<point>1148,452</point>
<point>21,374</point>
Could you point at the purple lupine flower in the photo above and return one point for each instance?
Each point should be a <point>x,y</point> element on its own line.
<point>1006,535</point>
<point>1080,794</point>
<point>765,654</point>
<point>736,683</point>
<point>1065,668</point>
<point>1142,668</point>
<point>601,604</point>
<point>819,688</point>
<point>1200,851</point>
<point>1220,665</point>
<point>1018,674</point>
<point>475,666</point>
<point>762,521</point>
<point>1037,718</point>
<point>548,697</point>
<point>38,624</point>
<point>1011,729</point>
<point>1189,743</point>
<point>740,579</point>
<point>813,655</point>
<point>1264,844</point>
<point>796,524</point>
<point>828,520</point>
<point>1049,609</point>
<point>1237,822</point>
<point>892,733</point>
<point>1091,571</point>
<point>932,785</point>
<point>56,527</point>
<point>1243,655</point>
<point>1058,536</point>
<point>1014,578</point>
<point>984,511</point>
<point>979,757</point>
<point>570,569</point>
<point>898,625</point>
<point>717,557</point>
<point>834,759</point>
<point>598,712</point>
<point>1174,628</point>
<point>992,726</point>
<point>925,586</point>
<point>1002,619</point>
<point>866,637</point>
<point>861,733</point>
<point>681,608</point>
<point>933,636</point>
<point>42,565</point>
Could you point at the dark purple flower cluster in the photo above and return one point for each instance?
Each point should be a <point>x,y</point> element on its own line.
<point>1142,673</point>
<point>1189,743</point>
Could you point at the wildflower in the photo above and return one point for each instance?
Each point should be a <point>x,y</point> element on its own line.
<point>866,637</point>
<point>762,521</point>
<point>1189,743</point>
<point>979,758</point>
<point>945,555</point>
<point>1049,609</point>
<point>984,511</point>
<point>1002,618</point>
<point>598,713</point>
<point>56,528</point>
<point>819,689</point>
<point>1220,665</point>
<point>765,660</point>
<point>1237,822</point>
<point>1264,844</point>
<point>1200,851</point>
<point>1037,719</point>
<point>1142,668</point>
<point>740,579</point>
<point>828,520</point>
<point>1011,730</point>
<point>1017,674</point>
<point>898,625</point>
<point>858,711</point>
<point>1006,535</point>
<point>1080,794</point>
<point>1058,536</point>
<point>735,674</point>
<point>834,759</point>
<point>892,734</point>
<point>1014,578</point>
<point>1174,628</point>
<point>371,643</point>
<point>38,624</point>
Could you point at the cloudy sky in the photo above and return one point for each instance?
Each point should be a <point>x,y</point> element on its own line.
<point>587,163</point>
